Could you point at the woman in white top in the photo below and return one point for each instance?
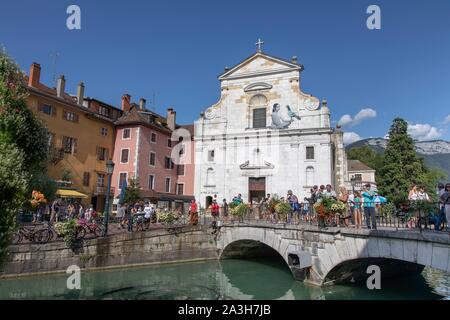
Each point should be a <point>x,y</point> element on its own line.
<point>413,196</point>
<point>422,195</point>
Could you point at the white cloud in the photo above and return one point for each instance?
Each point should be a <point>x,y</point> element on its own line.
<point>447,120</point>
<point>364,114</point>
<point>423,132</point>
<point>350,137</point>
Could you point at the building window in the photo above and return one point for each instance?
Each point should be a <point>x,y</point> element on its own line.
<point>126,134</point>
<point>153,137</point>
<point>103,111</point>
<point>309,153</point>
<point>211,155</point>
<point>70,116</point>
<point>310,176</point>
<point>104,131</point>
<point>124,155</point>
<point>358,177</point>
<point>122,179</point>
<point>151,182</point>
<point>152,159</point>
<point>180,189</point>
<point>168,163</point>
<point>168,180</point>
<point>259,118</point>
<point>180,169</point>
<point>69,145</point>
<point>102,154</point>
<point>100,179</point>
<point>169,143</point>
<point>49,110</point>
<point>86,179</point>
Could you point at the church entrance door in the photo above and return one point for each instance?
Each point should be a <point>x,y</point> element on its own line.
<point>256,189</point>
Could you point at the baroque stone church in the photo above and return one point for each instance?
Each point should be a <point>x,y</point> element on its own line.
<point>265,135</point>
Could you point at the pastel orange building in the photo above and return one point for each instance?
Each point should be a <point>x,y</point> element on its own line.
<point>81,136</point>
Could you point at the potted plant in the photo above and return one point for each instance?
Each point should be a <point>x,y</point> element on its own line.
<point>282,209</point>
<point>239,210</point>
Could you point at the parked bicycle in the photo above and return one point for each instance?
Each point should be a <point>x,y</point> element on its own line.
<point>32,233</point>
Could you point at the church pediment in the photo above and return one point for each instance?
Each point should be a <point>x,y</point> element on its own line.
<point>259,64</point>
<point>258,86</point>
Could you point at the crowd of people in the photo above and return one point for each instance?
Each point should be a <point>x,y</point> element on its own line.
<point>63,209</point>
<point>362,207</point>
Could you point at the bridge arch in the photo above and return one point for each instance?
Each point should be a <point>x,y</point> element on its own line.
<point>336,253</point>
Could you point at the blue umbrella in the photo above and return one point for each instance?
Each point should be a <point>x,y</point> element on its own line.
<point>122,191</point>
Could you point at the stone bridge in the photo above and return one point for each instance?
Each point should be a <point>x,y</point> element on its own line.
<point>335,255</point>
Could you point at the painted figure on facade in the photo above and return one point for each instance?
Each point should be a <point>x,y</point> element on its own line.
<point>282,119</point>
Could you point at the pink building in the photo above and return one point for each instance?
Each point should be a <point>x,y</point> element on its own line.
<point>146,146</point>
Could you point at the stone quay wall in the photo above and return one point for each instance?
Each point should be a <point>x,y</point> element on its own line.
<point>190,243</point>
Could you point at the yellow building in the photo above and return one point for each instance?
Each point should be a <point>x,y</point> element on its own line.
<point>81,136</point>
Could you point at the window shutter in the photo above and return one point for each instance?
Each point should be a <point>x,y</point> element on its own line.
<point>75,145</point>
<point>53,111</point>
<point>259,118</point>
<point>65,114</point>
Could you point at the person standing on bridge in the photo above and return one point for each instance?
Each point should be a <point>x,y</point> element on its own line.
<point>193,213</point>
<point>369,207</point>
<point>445,199</point>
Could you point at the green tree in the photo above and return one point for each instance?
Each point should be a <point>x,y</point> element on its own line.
<point>401,167</point>
<point>23,148</point>
<point>132,192</point>
<point>13,186</point>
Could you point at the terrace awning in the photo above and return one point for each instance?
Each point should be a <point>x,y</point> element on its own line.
<point>63,193</point>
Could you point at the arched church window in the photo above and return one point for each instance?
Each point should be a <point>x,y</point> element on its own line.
<point>258,100</point>
<point>309,176</point>
<point>210,179</point>
<point>258,105</point>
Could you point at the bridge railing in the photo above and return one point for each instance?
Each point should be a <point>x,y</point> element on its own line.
<point>410,215</point>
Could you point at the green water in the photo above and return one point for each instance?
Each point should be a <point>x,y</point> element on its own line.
<point>228,279</point>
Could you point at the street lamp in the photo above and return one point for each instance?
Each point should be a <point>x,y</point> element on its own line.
<point>109,170</point>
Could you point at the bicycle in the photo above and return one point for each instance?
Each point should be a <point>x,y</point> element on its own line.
<point>32,235</point>
<point>90,227</point>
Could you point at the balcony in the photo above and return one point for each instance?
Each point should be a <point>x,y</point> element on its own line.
<point>102,190</point>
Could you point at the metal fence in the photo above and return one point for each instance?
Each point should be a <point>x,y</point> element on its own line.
<point>403,217</point>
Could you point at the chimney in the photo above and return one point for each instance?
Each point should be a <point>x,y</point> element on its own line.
<point>171,118</point>
<point>126,105</point>
<point>35,75</point>
<point>142,102</point>
<point>80,93</point>
<point>60,86</point>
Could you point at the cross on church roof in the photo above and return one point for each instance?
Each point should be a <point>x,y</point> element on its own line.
<point>259,45</point>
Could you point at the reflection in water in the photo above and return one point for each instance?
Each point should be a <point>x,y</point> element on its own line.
<point>227,279</point>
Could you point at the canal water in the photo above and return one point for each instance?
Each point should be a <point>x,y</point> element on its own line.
<point>227,279</point>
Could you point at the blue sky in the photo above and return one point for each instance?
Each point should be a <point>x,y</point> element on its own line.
<point>176,49</point>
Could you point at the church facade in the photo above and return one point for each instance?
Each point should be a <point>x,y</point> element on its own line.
<point>265,135</point>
